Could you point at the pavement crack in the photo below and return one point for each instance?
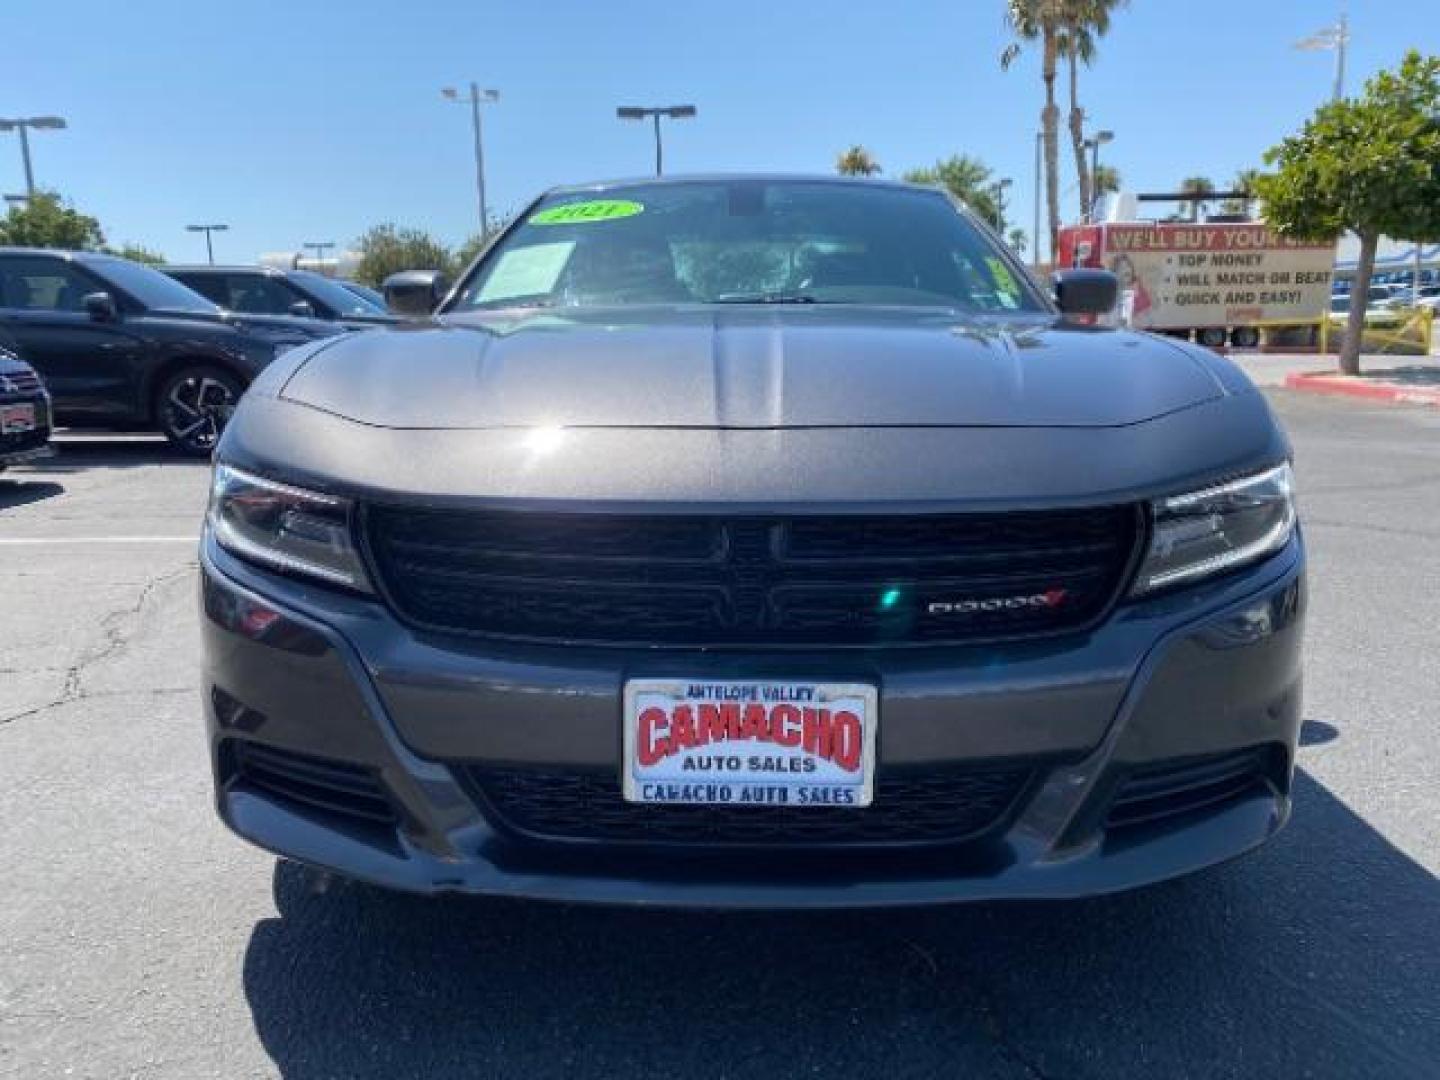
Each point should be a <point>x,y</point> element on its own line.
<point>118,629</point>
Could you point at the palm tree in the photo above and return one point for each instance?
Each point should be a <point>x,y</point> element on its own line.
<point>1197,186</point>
<point>967,178</point>
<point>1106,181</point>
<point>1244,182</point>
<point>1042,21</point>
<point>1016,238</point>
<point>857,161</point>
<point>1085,22</point>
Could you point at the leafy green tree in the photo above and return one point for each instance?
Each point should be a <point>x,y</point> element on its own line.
<point>1085,23</point>
<point>1368,165</point>
<point>386,249</point>
<point>1017,239</point>
<point>466,252</point>
<point>1042,22</point>
<point>856,161</point>
<point>45,220</point>
<point>967,178</point>
<point>139,253</point>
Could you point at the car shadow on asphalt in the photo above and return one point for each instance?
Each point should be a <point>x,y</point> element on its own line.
<point>17,490</point>
<point>97,451</point>
<point>1314,956</point>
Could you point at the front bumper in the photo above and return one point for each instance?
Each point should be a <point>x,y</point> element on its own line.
<point>17,448</point>
<point>1192,677</point>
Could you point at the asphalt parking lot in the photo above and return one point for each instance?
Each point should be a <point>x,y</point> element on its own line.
<point>139,939</point>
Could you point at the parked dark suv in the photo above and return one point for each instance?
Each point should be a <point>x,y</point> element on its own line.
<point>122,345</point>
<point>263,290</point>
<point>754,541</point>
<point>24,409</point>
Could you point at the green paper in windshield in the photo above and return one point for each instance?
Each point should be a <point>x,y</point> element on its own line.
<point>581,212</point>
<point>526,271</point>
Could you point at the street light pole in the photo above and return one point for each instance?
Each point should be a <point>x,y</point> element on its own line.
<point>654,113</point>
<point>207,230</point>
<point>1000,186</point>
<point>1335,37</point>
<point>319,248</point>
<point>23,126</point>
<point>475,99</point>
<point>1094,144</point>
<point>25,157</point>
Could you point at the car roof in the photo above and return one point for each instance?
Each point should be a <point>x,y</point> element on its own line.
<point>62,253</point>
<point>732,177</point>
<point>233,268</point>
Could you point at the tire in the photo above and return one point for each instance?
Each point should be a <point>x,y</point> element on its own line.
<point>194,404</point>
<point>1245,337</point>
<point>1212,337</point>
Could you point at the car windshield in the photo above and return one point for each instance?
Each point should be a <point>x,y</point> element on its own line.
<point>155,290</point>
<point>748,241</point>
<point>334,295</point>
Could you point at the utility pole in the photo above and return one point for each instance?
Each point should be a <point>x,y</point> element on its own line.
<point>1035,250</point>
<point>475,99</point>
<point>23,126</point>
<point>674,112</point>
<point>207,230</point>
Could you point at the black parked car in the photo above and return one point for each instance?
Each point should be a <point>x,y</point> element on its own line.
<point>122,345</point>
<point>24,410</point>
<point>263,290</point>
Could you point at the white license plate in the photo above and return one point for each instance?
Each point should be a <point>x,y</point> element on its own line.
<point>744,743</point>
<point>16,418</point>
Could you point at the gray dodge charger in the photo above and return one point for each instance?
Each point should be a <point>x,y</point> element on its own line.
<point>754,541</point>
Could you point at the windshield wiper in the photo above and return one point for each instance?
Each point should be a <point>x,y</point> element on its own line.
<point>769,298</point>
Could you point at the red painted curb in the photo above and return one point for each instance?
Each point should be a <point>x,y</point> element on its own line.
<point>1357,386</point>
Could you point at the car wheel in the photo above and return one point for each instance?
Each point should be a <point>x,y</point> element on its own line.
<point>1245,337</point>
<point>1212,337</point>
<point>194,405</point>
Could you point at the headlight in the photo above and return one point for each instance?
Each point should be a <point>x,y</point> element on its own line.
<point>1217,529</point>
<point>291,529</point>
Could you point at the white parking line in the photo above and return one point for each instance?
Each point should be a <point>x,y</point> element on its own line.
<point>38,540</point>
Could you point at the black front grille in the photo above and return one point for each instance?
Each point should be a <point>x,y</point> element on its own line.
<point>1179,787</point>
<point>930,806</point>
<point>704,581</point>
<point>336,787</point>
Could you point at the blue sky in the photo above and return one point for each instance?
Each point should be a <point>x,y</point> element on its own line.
<point>301,120</point>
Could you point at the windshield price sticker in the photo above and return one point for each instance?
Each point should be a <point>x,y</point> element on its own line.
<point>581,212</point>
<point>798,744</point>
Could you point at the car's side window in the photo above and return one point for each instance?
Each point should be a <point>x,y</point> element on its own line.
<point>211,286</point>
<point>40,284</point>
<point>257,294</point>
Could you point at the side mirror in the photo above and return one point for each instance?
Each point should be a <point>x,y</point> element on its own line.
<point>1085,291</point>
<point>414,293</point>
<point>303,308</point>
<point>101,306</point>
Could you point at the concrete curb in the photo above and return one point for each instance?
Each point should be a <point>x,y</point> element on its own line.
<point>1357,386</point>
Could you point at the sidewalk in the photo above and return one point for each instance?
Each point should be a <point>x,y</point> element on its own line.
<point>1407,379</point>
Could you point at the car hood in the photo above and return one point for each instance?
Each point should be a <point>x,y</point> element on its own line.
<point>749,367</point>
<point>286,325</point>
